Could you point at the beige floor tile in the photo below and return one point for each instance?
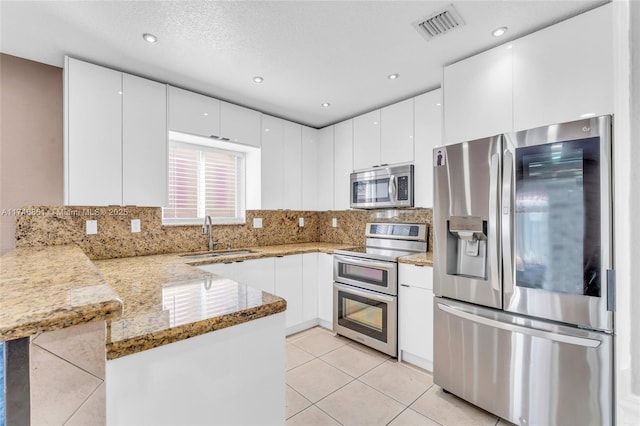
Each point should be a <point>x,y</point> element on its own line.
<point>92,412</point>
<point>503,422</point>
<point>295,402</point>
<point>353,360</point>
<point>58,388</point>
<point>319,343</point>
<point>312,416</point>
<point>358,404</point>
<point>316,379</point>
<point>403,383</point>
<point>448,409</point>
<point>82,345</point>
<point>412,418</point>
<point>296,356</point>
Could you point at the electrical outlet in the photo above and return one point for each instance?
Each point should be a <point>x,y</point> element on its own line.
<point>301,221</point>
<point>135,225</point>
<point>257,222</point>
<point>92,227</point>
<point>334,222</point>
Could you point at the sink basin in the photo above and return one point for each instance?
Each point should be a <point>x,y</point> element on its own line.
<point>216,254</point>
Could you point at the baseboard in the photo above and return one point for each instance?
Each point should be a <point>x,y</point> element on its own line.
<point>418,361</point>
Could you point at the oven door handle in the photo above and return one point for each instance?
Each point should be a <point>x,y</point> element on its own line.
<point>364,293</point>
<point>366,262</point>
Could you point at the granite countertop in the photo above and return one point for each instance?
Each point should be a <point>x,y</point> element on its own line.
<point>44,289</point>
<point>421,259</point>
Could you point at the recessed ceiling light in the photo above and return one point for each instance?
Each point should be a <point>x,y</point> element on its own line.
<point>258,79</point>
<point>150,38</point>
<point>326,105</point>
<point>392,76</point>
<point>499,31</point>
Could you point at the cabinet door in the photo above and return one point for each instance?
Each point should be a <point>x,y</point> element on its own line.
<point>289,287</point>
<point>396,133</point>
<point>227,270</point>
<point>93,142</point>
<point>325,290</point>
<point>366,140</point>
<point>415,326</point>
<point>272,163</point>
<point>257,273</point>
<point>478,96</point>
<point>239,124</point>
<point>310,170</point>
<point>144,142</point>
<point>428,128</point>
<point>292,170</point>
<point>343,164</point>
<point>325,169</point>
<point>310,286</point>
<point>564,72</point>
<point>193,113</point>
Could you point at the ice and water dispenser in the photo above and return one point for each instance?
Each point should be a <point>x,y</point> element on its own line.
<point>467,246</point>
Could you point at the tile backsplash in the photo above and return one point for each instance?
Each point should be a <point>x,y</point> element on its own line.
<point>57,225</point>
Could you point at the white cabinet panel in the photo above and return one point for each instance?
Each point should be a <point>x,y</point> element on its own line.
<point>478,96</point>
<point>310,286</point>
<point>428,129</point>
<point>565,71</point>
<point>229,270</point>
<point>325,169</point>
<point>239,124</point>
<point>257,273</point>
<point>272,163</point>
<point>396,133</point>
<point>343,164</point>
<point>325,290</point>
<point>193,113</point>
<point>310,169</point>
<point>366,140</point>
<point>292,170</point>
<point>289,286</point>
<point>415,315</point>
<point>93,142</point>
<point>144,142</point>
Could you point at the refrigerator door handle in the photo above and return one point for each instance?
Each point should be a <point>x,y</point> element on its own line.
<point>494,219</point>
<point>548,335</point>
<point>507,209</point>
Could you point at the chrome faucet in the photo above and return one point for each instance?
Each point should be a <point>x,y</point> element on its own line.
<point>207,227</point>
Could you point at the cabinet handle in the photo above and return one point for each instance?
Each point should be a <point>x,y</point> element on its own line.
<point>238,261</point>
<point>405,285</point>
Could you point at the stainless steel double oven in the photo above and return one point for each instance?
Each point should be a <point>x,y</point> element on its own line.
<point>365,289</point>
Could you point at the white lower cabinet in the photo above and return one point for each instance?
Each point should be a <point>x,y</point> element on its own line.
<point>325,290</point>
<point>289,287</point>
<point>257,273</point>
<point>310,287</point>
<point>415,315</point>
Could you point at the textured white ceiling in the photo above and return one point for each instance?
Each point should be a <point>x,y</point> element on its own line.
<point>308,52</point>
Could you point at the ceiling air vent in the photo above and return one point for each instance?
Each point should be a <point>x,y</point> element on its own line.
<point>439,23</point>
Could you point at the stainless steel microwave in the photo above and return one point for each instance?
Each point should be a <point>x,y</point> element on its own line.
<point>382,187</point>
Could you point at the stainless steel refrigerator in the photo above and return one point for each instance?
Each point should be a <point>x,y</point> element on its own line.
<point>523,273</point>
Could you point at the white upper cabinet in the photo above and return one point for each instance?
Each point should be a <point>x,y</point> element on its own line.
<point>93,135</point>
<point>144,142</point>
<point>310,170</point>
<point>292,170</point>
<point>325,168</point>
<point>193,113</point>
<point>115,138</point>
<point>366,140</point>
<point>564,72</point>
<point>478,96</point>
<point>272,163</point>
<point>343,163</point>
<point>428,128</point>
<point>239,124</point>
<point>396,133</point>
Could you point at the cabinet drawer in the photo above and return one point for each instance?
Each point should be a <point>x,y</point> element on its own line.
<point>415,276</point>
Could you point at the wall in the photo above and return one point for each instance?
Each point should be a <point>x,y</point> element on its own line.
<point>30,139</point>
<point>57,225</point>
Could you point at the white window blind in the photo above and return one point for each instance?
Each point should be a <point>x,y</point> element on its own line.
<point>204,181</point>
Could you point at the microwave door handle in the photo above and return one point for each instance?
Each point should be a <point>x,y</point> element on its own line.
<point>392,188</point>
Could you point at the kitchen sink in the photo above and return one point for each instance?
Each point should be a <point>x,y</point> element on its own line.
<point>216,254</point>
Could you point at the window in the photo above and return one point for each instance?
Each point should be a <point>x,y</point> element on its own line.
<point>204,180</point>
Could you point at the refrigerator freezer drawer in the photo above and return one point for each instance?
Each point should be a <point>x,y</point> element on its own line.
<point>526,371</point>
